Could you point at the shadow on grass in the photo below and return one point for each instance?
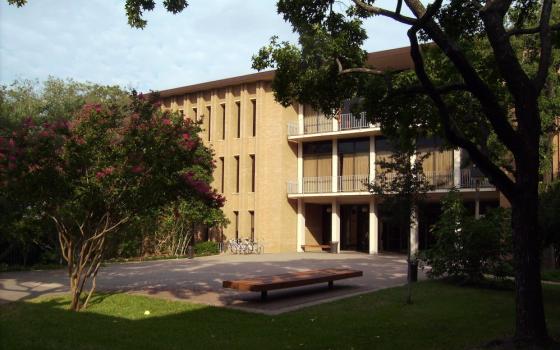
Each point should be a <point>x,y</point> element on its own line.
<point>442,317</point>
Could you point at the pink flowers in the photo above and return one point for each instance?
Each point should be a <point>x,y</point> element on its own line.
<point>104,172</point>
<point>166,121</point>
<point>45,133</point>
<point>137,169</point>
<point>186,136</point>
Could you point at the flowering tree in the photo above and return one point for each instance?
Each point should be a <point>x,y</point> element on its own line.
<point>93,174</point>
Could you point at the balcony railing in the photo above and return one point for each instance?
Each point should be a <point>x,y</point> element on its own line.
<point>353,183</point>
<point>321,124</point>
<point>321,184</point>
<point>468,181</point>
<point>359,183</point>
<point>439,180</point>
<point>317,125</point>
<point>349,121</point>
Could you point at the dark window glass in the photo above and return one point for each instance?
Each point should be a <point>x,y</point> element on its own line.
<point>236,214</point>
<point>236,174</point>
<point>254,107</point>
<point>253,171</point>
<point>252,215</point>
<point>322,147</point>
<point>223,121</point>
<point>238,131</point>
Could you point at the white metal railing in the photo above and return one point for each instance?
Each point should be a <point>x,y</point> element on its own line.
<point>316,125</point>
<point>349,121</point>
<point>353,183</point>
<point>321,184</point>
<point>359,183</point>
<point>439,180</point>
<point>468,181</point>
<point>320,124</point>
<point>292,187</point>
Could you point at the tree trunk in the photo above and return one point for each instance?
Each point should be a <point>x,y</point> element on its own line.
<point>530,327</point>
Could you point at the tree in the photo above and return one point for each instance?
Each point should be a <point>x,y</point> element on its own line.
<point>466,247</point>
<point>403,187</point>
<point>53,99</point>
<point>95,173</point>
<point>25,237</point>
<point>549,221</point>
<point>470,84</point>
<point>479,81</point>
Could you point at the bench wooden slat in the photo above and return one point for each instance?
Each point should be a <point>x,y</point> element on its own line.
<point>293,279</point>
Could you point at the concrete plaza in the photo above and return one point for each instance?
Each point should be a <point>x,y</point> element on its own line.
<point>199,280</point>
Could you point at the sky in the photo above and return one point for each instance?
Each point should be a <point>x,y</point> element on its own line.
<point>90,40</point>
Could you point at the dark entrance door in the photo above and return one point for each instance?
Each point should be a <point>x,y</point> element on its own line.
<point>393,234</point>
<point>354,227</point>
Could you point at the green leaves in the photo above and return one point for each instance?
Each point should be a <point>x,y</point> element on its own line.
<point>135,10</point>
<point>467,248</point>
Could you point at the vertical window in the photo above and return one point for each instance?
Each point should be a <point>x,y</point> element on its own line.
<point>222,174</point>
<point>223,105</point>
<point>253,169</point>
<point>236,174</point>
<point>252,216</point>
<point>254,114</point>
<point>236,218</point>
<point>195,114</point>
<point>238,122</point>
<point>209,122</point>
<point>182,113</point>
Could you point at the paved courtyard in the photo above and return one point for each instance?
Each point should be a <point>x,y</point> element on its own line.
<point>200,280</point>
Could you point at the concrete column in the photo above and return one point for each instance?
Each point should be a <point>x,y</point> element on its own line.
<point>371,158</point>
<point>414,232</point>
<point>334,124</point>
<point>300,224</point>
<point>334,165</point>
<point>335,223</point>
<point>300,167</point>
<point>457,168</point>
<point>300,119</point>
<point>373,227</point>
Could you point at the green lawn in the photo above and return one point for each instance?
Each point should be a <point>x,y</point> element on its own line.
<point>442,317</point>
<point>551,275</point>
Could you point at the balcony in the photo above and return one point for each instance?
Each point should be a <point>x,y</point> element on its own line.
<point>322,125</point>
<point>469,181</point>
<point>441,181</point>
<point>353,183</point>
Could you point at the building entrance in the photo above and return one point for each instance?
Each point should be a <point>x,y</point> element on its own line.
<point>354,227</point>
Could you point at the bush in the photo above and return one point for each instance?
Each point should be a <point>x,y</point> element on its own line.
<point>467,248</point>
<point>549,220</point>
<point>206,248</point>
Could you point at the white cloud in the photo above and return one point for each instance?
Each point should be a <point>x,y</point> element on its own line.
<point>91,40</point>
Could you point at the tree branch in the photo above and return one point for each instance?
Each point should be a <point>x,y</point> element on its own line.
<point>342,71</point>
<point>383,12</point>
<point>496,175</point>
<point>442,90</point>
<point>490,105</point>
<point>534,30</point>
<point>546,46</point>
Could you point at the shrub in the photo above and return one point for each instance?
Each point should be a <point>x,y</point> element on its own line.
<point>206,248</point>
<point>549,220</point>
<point>467,248</point>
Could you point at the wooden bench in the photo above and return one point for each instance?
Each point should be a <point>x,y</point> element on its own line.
<point>321,247</point>
<point>288,280</point>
